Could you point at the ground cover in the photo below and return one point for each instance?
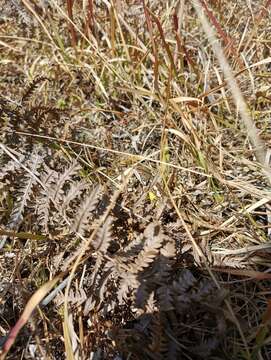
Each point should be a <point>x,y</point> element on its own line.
<point>135,182</point>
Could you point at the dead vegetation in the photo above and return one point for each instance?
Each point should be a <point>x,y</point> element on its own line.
<point>135,181</point>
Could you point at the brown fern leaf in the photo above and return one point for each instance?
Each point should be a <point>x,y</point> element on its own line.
<point>43,203</point>
<point>9,167</point>
<point>81,219</point>
<point>154,240</point>
<point>104,236</point>
<point>127,284</point>
<point>56,191</point>
<point>75,297</point>
<point>74,192</point>
<point>29,91</point>
<point>25,192</point>
<point>17,8</point>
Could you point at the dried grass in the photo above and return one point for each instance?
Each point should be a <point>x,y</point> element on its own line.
<point>165,106</point>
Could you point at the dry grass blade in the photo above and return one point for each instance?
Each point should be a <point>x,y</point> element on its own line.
<point>257,275</point>
<point>258,145</point>
<point>32,303</point>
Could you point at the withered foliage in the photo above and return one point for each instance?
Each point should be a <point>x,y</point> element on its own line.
<point>136,278</point>
<point>133,85</point>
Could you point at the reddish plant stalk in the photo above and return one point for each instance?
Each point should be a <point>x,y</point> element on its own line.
<point>71,26</point>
